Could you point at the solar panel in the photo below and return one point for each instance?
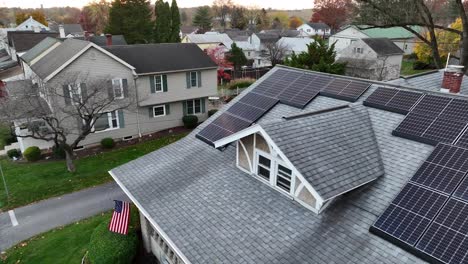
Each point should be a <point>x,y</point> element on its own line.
<point>345,89</point>
<point>413,126</point>
<point>393,100</point>
<point>409,214</point>
<point>463,140</point>
<point>431,105</point>
<point>224,125</point>
<point>446,239</point>
<point>443,130</point>
<point>258,100</point>
<point>454,111</point>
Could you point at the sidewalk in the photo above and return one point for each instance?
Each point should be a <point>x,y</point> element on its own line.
<point>24,222</point>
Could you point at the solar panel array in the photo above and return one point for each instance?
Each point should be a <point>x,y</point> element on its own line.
<point>345,89</point>
<point>436,119</point>
<point>429,217</point>
<point>393,100</point>
<point>293,88</point>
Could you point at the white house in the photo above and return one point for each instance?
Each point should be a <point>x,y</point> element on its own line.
<point>32,24</point>
<point>404,39</point>
<point>315,29</point>
<point>372,58</point>
<point>296,45</point>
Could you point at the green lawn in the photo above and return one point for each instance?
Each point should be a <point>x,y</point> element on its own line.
<point>407,68</point>
<point>62,245</point>
<point>30,182</point>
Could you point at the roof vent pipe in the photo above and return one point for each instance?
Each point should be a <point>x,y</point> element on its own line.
<point>62,31</point>
<point>453,78</point>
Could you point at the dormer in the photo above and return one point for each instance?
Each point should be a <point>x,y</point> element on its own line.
<point>312,158</point>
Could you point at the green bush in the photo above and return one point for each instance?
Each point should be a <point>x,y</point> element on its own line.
<point>107,143</point>
<point>106,247</point>
<point>190,121</point>
<point>420,65</point>
<point>240,83</point>
<point>212,112</point>
<point>32,153</point>
<point>58,152</point>
<point>13,153</point>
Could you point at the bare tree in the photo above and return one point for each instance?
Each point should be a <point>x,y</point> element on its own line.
<point>222,10</point>
<point>275,51</point>
<point>65,114</point>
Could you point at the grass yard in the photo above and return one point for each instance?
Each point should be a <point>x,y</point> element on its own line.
<point>31,182</point>
<point>62,245</point>
<point>407,68</point>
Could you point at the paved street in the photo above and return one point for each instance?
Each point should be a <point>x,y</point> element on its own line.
<point>27,221</point>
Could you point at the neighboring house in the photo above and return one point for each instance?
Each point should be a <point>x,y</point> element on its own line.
<point>32,24</point>
<point>249,50</point>
<point>290,33</point>
<point>185,30</point>
<point>238,35</point>
<point>19,42</point>
<point>372,58</point>
<point>404,39</point>
<point>36,53</point>
<point>178,83</point>
<point>299,185</point>
<point>315,29</point>
<point>294,45</point>
<point>108,40</point>
<point>67,30</point>
<point>208,40</point>
<point>260,42</point>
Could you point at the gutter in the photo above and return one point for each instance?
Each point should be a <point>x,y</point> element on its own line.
<point>184,70</point>
<point>135,77</point>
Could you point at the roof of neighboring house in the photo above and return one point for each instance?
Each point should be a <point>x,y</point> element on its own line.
<point>74,29</point>
<point>214,212</point>
<point>39,48</point>
<point>391,33</point>
<point>430,81</point>
<point>335,151</point>
<point>318,26</point>
<point>188,29</point>
<point>170,57</point>
<point>268,37</point>
<point>102,40</point>
<point>383,46</point>
<point>282,32</point>
<point>25,40</point>
<point>297,45</point>
<point>208,38</point>
<point>245,45</point>
<point>236,33</point>
<point>29,21</point>
<point>60,55</point>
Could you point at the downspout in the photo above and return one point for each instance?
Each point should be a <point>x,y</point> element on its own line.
<point>137,106</point>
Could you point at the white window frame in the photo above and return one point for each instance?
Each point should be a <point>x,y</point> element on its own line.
<point>274,162</point>
<point>70,91</point>
<point>159,106</point>
<point>196,79</point>
<point>259,153</point>
<point>109,121</point>
<point>161,83</point>
<point>276,171</point>
<point>192,101</point>
<point>121,88</point>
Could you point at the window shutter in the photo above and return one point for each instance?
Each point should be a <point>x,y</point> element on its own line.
<point>151,113</point>
<point>110,90</point>
<point>187,76</point>
<point>184,108</point>
<point>121,118</point>
<point>152,84</point>
<point>84,91</point>
<point>125,87</point>
<point>202,105</point>
<point>66,95</point>
<point>168,109</point>
<point>199,78</point>
<point>164,80</point>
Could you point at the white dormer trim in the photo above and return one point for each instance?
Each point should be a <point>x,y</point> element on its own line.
<point>81,52</point>
<point>258,129</point>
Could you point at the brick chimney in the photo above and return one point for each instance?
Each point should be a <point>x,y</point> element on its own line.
<point>86,35</point>
<point>453,78</point>
<point>108,39</point>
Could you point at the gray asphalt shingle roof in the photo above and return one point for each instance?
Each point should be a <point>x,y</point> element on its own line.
<point>38,49</point>
<point>383,46</point>
<point>25,40</point>
<point>335,151</point>
<point>61,54</point>
<point>215,213</point>
<point>165,57</point>
<point>431,81</point>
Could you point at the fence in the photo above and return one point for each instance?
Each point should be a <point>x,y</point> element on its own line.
<point>256,73</point>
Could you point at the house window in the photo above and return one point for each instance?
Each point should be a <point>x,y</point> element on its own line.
<point>283,178</point>
<point>308,30</point>
<point>358,50</point>
<point>259,62</point>
<point>106,121</point>
<point>248,53</point>
<point>406,46</point>
<point>75,93</point>
<point>159,110</point>
<point>158,83</point>
<point>263,167</point>
<point>117,87</point>
<point>194,106</point>
<point>193,79</point>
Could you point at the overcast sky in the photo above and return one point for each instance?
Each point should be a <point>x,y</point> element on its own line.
<point>277,4</point>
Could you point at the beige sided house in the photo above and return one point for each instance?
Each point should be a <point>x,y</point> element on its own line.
<point>165,82</point>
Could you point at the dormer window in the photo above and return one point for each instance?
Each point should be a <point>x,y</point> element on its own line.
<point>264,167</point>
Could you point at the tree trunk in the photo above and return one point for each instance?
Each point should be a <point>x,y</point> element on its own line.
<point>69,159</point>
<point>435,49</point>
<point>464,36</point>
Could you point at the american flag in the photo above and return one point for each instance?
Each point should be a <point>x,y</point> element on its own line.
<point>120,218</point>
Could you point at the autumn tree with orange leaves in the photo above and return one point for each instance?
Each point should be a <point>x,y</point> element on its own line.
<point>334,13</point>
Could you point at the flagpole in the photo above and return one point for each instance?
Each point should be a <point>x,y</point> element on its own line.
<point>4,184</point>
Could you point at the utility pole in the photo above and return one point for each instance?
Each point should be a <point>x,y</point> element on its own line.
<point>4,184</point>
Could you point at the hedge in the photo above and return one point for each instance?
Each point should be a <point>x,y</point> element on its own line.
<point>212,112</point>
<point>240,83</point>
<point>106,247</point>
<point>107,143</point>
<point>32,153</point>
<point>13,153</point>
<point>190,121</point>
